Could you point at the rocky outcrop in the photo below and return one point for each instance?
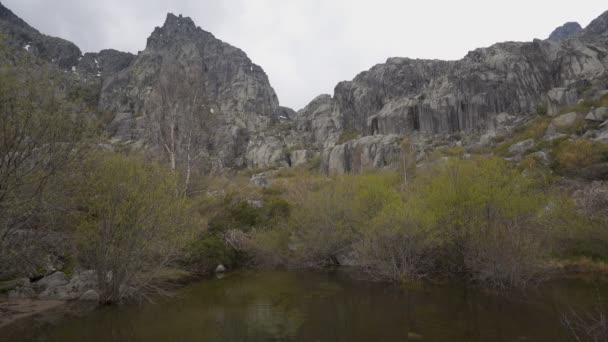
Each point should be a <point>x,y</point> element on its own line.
<point>57,286</point>
<point>206,95</point>
<point>419,98</point>
<point>565,31</point>
<point>379,151</point>
<point>19,36</point>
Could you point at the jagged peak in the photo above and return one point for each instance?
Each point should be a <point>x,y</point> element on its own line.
<point>173,20</point>
<point>176,28</point>
<point>565,31</point>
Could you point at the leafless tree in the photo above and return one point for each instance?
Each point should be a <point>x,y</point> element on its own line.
<point>183,119</point>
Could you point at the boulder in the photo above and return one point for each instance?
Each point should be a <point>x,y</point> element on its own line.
<point>521,146</point>
<point>598,114</point>
<point>58,287</point>
<point>220,269</point>
<point>565,120</point>
<point>51,281</point>
<point>90,296</point>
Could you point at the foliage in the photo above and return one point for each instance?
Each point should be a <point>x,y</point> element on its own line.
<point>573,156</point>
<point>131,222</point>
<point>39,136</point>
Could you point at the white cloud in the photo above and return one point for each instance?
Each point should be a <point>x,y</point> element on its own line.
<point>307,46</point>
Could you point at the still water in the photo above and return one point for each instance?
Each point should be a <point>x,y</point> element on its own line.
<point>307,306</point>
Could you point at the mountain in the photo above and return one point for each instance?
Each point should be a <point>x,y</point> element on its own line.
<point>201,103</point>
<point>418,98</point>
<point>190,90</point>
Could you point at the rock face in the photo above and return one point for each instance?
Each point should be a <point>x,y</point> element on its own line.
<point>199,102</point>
<point>193,91</point>
<point>362,154</point>
<point>20,36</point>
<point>409,97</point>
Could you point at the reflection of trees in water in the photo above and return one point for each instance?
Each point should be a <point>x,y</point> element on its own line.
<point>590,326</point>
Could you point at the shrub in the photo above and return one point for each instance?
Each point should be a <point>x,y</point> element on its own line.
<point>131,223</point>
<point>325,222</point>
<point>205,253</point>
<point>484,213</point>
<point>395,248</point>
<point>571,157</point>
<point>40,135</point>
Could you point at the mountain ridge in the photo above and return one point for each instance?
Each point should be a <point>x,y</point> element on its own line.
<point>191,87</point>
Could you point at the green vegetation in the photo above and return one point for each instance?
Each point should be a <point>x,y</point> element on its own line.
<point>130,222</point>
<point>572,157</point>
<point>131,219</point>
<point>480,220</point>
<point>585,105</point>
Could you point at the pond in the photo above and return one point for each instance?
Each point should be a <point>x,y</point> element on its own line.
<point>309,306</point>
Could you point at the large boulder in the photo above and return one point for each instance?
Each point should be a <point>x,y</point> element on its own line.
<point>563,123</point>
<point>51,281</point>
<point>58,287</point>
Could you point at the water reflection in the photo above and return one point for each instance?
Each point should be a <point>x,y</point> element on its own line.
<point>290,306</point>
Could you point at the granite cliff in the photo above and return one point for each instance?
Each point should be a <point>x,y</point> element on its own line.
<point>199,102</point>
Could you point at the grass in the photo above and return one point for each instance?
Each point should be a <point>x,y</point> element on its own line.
<point>585,105</point>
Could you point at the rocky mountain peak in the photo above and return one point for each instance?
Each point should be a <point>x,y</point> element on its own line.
<point>565,31</point>
<point>176,29</point>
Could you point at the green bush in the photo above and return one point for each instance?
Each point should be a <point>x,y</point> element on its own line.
<point>204,254</point>
<point>483,213</point>
<point>131,222</point>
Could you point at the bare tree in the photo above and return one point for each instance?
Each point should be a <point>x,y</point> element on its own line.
<point>182,111</point>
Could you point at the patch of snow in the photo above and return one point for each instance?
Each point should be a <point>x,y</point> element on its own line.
<point>79,58</point>
<point>251,68</point>
<point>96,63</point>
<point>98,74</point>
<point>74,68</point>
<point>212,111</point>
<point>282,117</point>
<point>27,47</point>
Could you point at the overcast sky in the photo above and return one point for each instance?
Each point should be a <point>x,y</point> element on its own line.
<point>307,46</point>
